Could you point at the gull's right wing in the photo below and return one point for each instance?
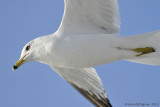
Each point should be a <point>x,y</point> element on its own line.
<point>87,82</point>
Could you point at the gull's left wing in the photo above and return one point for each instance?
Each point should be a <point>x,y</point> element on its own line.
<point>90,17</point>
<point>87,82</point>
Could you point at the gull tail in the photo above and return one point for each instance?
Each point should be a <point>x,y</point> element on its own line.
<point>146,47</point>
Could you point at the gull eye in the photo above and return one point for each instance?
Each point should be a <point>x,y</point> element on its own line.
<point>27,48</point>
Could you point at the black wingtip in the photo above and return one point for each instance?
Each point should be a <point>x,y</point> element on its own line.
<point>109,104</point>
<point>98,102</point>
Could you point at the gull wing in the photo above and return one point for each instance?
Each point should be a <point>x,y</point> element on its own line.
<point>90,17</point>
<point>87,82</point>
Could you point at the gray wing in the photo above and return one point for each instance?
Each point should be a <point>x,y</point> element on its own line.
<point>90,17</point>
<point>87,82</point>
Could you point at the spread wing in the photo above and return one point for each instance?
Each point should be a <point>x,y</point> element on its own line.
<point>87,82</point>
<point>90,17</point>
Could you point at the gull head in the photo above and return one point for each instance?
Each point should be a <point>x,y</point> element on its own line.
<point>32,51</point>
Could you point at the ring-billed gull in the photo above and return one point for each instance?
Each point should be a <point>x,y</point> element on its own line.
<point>89,36</point>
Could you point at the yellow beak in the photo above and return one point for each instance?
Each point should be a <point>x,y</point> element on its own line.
<point>18,63</point>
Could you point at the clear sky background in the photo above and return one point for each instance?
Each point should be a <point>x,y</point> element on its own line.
<point>37,85</point>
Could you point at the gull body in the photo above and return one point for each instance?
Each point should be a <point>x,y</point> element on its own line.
<point>77,48</point>
<point>87,37</point>
<point>96,49</point>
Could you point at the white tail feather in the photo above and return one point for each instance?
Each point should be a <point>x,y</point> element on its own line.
<point>151,39</point>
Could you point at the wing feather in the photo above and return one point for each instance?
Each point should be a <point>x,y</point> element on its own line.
<point>87,82</point>
<point>90,17</point>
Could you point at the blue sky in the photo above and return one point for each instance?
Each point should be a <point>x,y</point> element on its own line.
<point>36,85</point>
